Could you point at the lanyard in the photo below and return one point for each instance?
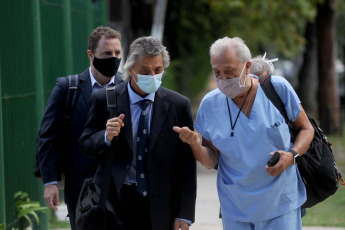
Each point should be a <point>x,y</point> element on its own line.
<point>238,114</point>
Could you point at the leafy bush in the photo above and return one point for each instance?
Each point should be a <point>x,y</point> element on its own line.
<point>25,212</point>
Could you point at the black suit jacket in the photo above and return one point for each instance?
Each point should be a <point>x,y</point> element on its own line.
<point>171,166</point>
<point>51,139</point>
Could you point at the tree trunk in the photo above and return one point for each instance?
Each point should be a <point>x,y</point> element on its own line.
<point>327,91</point>
<point>308,79</point>
<point>120,19</point>
<point>157,30</point>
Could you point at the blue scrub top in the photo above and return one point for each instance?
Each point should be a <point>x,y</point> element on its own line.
<point>247,193</point>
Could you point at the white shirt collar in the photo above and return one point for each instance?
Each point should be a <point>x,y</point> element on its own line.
<point>93,80</point>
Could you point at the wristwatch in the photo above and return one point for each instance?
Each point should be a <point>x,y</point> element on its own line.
<point>296,156</point>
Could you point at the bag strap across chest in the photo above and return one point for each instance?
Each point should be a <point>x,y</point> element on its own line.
<point>266,85</point>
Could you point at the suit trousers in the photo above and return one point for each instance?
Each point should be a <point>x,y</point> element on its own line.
<point>135,209</point>
<point>71,216</point>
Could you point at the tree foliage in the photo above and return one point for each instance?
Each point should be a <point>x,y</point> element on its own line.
<point>192,26</point>
<point>279,24</point>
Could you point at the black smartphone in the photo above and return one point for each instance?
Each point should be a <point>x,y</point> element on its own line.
<point>274,159</point>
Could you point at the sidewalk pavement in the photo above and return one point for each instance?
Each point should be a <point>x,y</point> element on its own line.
<point>207,204</point>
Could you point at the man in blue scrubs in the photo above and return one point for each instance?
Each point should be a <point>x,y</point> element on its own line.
<point>240,130</point>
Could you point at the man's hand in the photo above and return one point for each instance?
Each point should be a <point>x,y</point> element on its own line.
<point>285,161</point>
<point>186,135</point>
<point>114,126</point>
<point>180,224</point>
<point>204,152</point>
<point>51,196</point>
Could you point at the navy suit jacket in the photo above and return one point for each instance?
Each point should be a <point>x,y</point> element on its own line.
<point>171,166</point>
<point>52,138</point>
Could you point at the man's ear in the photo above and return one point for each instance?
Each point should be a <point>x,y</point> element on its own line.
<point>131,72</point>
<point>89,54</point>
<point>248,65</point>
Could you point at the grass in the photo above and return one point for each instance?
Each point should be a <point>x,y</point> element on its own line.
<point>330,212</point>
<point>57,224</point>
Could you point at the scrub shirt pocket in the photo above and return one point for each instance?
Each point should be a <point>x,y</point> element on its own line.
<point>279,136</point>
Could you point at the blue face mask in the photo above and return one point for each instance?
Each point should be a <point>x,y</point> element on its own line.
<point>149,83</point>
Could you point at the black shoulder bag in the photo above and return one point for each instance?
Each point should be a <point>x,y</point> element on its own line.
<point>317,166</point>
<point>91,211</point>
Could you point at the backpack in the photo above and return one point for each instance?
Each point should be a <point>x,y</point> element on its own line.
<point>72,84</point>
<point>317,165</point>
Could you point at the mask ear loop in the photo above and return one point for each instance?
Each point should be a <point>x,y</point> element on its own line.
<point>137,77</point>
<point>244,81</point>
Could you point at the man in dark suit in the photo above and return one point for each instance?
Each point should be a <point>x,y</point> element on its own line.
<point>153,171</point>
<point>104,52</point>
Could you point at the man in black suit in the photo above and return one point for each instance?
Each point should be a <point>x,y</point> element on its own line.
<point>156,184</point>
<point>104,52</point>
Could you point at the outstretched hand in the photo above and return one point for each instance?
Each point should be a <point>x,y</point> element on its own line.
<point>186,135</point>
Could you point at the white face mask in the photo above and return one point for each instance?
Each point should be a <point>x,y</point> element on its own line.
<point>232,87</point>
<point>149,83</point>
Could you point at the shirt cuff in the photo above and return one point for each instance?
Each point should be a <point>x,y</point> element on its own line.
<point>108,143</point>
<point>49,183</point>
<point>188,221</point>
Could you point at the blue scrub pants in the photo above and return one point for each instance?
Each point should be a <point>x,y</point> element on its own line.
<point>288,221</point>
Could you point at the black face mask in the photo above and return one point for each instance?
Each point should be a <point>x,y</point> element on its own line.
<point>107,66</point>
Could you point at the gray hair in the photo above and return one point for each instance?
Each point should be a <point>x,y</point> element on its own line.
<point>225,44</point>
<point>145,46</point>
<point>260,64</point>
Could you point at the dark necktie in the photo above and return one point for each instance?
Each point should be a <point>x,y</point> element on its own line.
<point>142,149</point>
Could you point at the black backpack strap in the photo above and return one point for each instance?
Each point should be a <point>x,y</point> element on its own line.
<point>72,85</point>
<point>111,100</point>
<point>111,104</point>
<point>266,85</point>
